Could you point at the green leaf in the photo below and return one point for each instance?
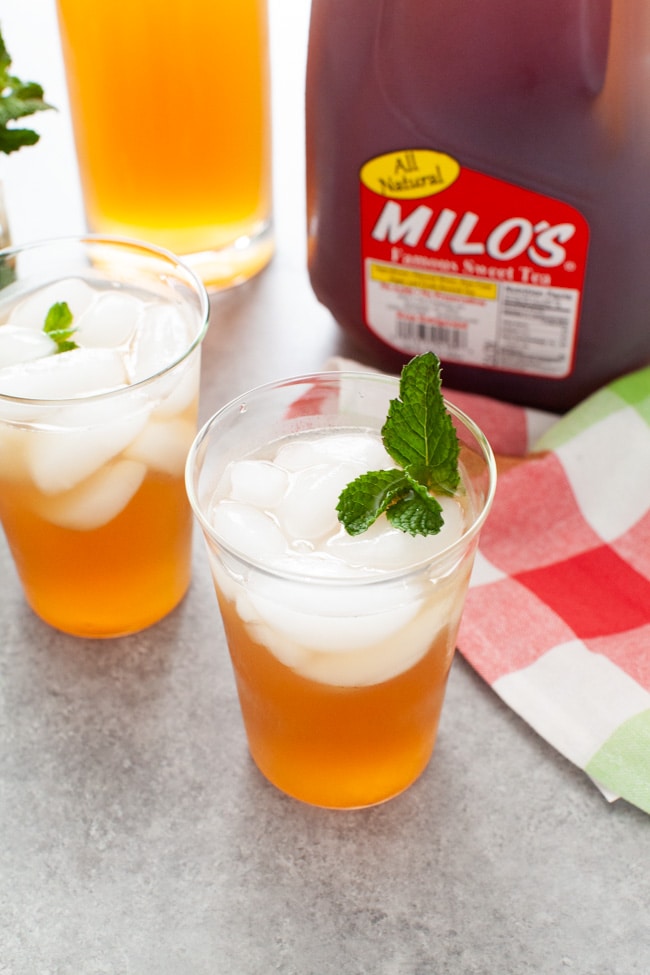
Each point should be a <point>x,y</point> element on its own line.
<point>365,498</point>
<point>20,100</point>
<point>66,346</point>
<point>419,435</point>
<point>417,512</point>
<point>57,325</point>
<point>13,139</point>
<point>17,100</point>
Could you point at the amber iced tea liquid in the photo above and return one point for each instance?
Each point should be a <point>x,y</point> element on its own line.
<point>117,578</point>
<point>172,126</point>
<point>338,746</point>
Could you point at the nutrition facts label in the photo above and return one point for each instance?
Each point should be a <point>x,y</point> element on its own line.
<point>521,328</point>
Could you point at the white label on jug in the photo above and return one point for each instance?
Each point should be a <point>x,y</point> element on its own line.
<point>478,270</point>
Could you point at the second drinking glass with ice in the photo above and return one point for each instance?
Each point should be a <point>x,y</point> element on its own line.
<point>99,382</point>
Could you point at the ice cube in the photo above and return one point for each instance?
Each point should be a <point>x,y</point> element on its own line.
<point>365,449</point>
<point>389,656</point>
<point>258,482</point>
<point>288,652</point>
<point>385,547</point>
<point>247,530</point>
<point>32,311</point>
<point>298,455</point>
<point>329,619</point>
<point>80,439</point>
<point>19,344</point>
<point>98,500</point>
<point>179,388</point>
<point>341,635</point>
<point>308,510</point>
<point>352,636</point>
<point>65,375</point>
<point>162,338</point>
<point>229,588</point>
<point>109,321</point>
<point>163,445</point>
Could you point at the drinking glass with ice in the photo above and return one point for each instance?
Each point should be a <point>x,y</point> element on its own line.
<point>93,439</point>
<point>340,645</point>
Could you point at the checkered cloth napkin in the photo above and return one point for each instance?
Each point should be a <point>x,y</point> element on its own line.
<point>557,618</point>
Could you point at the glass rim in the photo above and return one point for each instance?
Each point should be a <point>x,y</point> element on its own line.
<point>125,243</point>
<point>450,552</point>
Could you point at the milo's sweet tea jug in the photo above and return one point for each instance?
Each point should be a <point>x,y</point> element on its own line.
<point>478,184</point>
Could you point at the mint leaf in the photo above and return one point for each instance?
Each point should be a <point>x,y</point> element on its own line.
<point>419,435</point>
<point>17,100</point>
<point>57,325</point>
<point>417,512</point>
<point>370,494</point>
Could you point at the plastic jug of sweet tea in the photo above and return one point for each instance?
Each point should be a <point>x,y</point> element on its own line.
<point>478,184</point>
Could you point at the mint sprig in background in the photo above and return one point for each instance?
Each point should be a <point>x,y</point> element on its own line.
<point>18,99</point>
<point>419,435</point>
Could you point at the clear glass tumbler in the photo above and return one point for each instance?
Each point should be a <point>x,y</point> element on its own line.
<point>340,663</point>
<point>95,424</point>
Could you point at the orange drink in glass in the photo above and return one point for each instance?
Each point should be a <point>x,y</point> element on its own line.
<point>93,439</point>
<point>171,116</point>
<point>341,646</point>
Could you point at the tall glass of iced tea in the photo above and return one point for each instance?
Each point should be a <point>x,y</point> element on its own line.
<point>99,381</point>
<point>170,107</point>
<point>340,645</point>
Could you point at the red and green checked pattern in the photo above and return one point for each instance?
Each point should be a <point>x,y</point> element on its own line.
<point>557,619</point>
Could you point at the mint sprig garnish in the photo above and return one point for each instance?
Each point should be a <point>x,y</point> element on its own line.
<point>17,100</point>
<point>57,325</point>
<point>419,435</point>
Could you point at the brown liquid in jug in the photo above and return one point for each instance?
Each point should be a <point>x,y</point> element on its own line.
<point>478,183</point>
